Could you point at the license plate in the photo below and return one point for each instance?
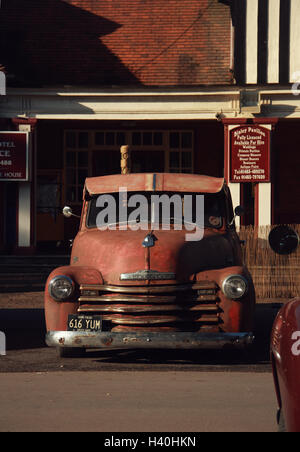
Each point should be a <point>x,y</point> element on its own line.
<point>84,323</point>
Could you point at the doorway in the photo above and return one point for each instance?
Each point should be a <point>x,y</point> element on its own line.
<point>49,220</point>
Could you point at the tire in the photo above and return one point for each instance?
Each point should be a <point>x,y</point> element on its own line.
<point>66,352</point>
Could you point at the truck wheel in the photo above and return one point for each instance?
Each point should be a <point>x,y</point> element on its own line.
<point>66,352</point>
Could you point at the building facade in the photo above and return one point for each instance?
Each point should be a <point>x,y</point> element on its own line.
<point>173,80</point>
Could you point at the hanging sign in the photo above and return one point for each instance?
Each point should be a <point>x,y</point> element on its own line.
<point>250,154</point>
<point>14,156</point>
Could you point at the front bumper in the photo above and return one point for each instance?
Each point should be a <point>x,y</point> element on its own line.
<point>104,340</point>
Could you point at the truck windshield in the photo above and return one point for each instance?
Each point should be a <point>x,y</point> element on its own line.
<point>156,207</point>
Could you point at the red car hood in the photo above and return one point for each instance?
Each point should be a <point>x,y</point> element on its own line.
<point>121,252</point>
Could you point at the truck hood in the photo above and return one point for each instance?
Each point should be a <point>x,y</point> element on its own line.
<point>118,252</point>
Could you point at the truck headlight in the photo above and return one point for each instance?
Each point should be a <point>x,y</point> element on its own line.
<point>234,286</point>
<point>61,287</point>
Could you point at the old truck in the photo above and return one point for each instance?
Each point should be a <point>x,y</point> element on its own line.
<point>140,279</point>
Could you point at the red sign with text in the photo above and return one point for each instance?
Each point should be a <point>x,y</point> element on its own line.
<point>250,154</point>
<point>14,156</point>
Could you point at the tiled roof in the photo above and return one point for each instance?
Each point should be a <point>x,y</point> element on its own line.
<point>113,42</point>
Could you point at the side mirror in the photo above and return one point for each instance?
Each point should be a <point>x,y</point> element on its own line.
<point>239,211</point>
<point>68,212</point>
<point>283,240</point>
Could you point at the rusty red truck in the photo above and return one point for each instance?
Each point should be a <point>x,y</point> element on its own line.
<point>144,283</point>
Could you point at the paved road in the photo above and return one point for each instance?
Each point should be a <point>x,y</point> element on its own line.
<point>131,391</point>
<point>137,402</point>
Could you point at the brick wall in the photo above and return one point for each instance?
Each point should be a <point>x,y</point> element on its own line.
<point>113,42</point>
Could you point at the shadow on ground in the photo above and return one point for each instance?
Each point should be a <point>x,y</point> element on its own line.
<point>25,329</point>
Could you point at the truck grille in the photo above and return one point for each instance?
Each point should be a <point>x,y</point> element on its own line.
<point>188,307</point>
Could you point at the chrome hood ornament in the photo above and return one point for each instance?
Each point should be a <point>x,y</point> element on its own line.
<point>149,240</point>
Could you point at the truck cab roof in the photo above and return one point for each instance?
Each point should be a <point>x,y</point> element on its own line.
<point>167,182</point>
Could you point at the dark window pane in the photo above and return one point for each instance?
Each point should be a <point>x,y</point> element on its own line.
<point>106,162</point>
<point>186,159</point>
<point>174,159</point>
<point>71,194</point>
<point>71,158</point>
<point>148,161</point>
<point>83,140</point>
<point>110,138</point>
<point>99,138</point>
<point>83,159</point>
<point>157,138</point>
<point>71,177</point>
<point>186,140</point>
<point>121,140</point>
<point>136,138</point>
<point>71,140</point>
<point>82,175</point>
<point>174,140</point>
<point>147,138</point>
